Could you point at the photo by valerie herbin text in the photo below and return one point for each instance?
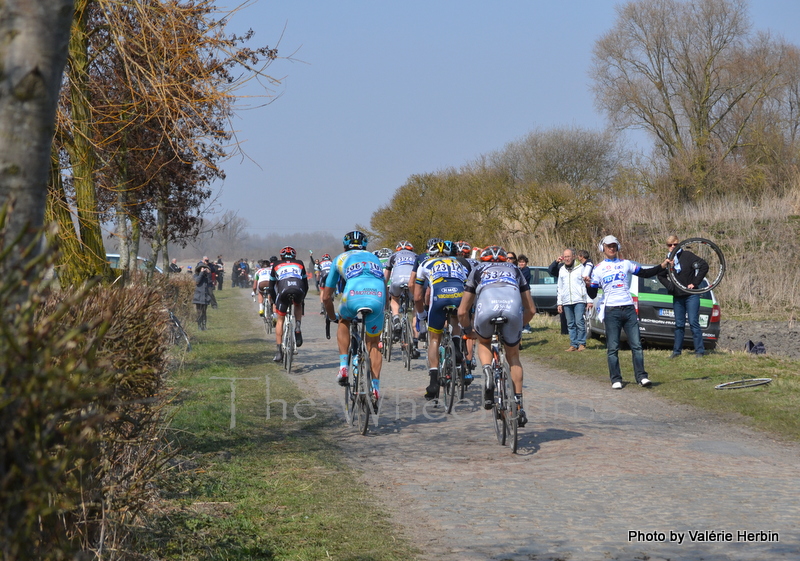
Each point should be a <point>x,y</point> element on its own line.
<point>691,536</point>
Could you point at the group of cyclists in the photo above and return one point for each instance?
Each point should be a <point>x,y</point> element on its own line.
<point>444,283</point>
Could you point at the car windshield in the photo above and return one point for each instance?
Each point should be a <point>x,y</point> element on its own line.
<point>541,276</point>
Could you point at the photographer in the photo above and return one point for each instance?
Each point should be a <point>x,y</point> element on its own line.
<point>212,269</point>
<point>203,291</point>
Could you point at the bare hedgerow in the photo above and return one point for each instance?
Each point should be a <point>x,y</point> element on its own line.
<point>82,395</point>
<point>117,485</point>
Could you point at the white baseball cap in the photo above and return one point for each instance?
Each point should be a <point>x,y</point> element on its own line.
<point>608,240</point>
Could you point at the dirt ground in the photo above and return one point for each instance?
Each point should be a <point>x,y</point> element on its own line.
<point>779,337</point>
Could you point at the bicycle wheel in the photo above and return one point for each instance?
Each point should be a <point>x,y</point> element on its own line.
<point>709,252</point>
<point>268,319</point>
<point>450,375</point>
<point>386,336</point>
<point>511,411</point>
<point>178,332</point>
<point>364,404</point>
<point>498,409</point>
<point>405,342</point>
<point>748,383</point>
<point>288,337</point>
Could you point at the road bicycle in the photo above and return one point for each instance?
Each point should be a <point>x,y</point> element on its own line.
<point>358,397</point>
<point>709,252</point>
<point>406,333</point>
<point>387,336</point>
<point>288,343</point>
<point>178,333</point>
<point>505,411</point>
<point>268,314</point>
<point>451,377</point>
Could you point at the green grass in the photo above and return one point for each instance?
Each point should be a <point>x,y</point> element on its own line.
<point>688,379</point>
<point>268,488</point>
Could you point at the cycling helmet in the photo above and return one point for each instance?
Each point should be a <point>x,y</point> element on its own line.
<point>288,253</point>
<point>430,243</point>
<point>405,244</point>
<point>450,247</point>
<point>273,259</point>
<point>326,256</point>
<point>384,253</point>
<point>441,249</point>
<point>463,248</point>
<point>493,253</point>
<point>354,240</point>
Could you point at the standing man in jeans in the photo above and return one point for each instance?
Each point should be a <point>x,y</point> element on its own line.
<point>572,299</point>
<point>613,275</point>
<point>690,270</point>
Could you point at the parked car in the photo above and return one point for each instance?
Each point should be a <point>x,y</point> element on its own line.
<point>113,260</point>
<point>544,290</point>
<point>656,317</point>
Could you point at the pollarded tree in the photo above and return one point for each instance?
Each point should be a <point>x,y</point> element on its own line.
<point>151,86</point>
<point>681,70</point>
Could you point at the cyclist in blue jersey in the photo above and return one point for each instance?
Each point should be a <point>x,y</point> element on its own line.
<point>446,275</point>
<point>364,287</point>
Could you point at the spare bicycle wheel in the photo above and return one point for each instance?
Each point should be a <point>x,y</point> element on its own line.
<point>748,383</point>
<point>709,252</point>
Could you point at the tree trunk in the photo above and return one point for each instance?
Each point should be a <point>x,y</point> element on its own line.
<point>32,57</point>
<point>82,154</point>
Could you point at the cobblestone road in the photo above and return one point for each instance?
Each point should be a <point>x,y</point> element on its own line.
<point>594,466</point>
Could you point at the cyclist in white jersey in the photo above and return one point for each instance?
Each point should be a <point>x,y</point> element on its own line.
<point>617,310</point>
<point>261,282</point>
<point>398,273</point>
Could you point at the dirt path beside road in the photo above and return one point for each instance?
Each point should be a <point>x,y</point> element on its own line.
<point>601,474</point>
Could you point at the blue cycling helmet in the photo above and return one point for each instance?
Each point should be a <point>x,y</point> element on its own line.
<point>354,240</point>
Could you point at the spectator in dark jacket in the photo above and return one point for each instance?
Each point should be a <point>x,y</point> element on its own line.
<point>690,271</point>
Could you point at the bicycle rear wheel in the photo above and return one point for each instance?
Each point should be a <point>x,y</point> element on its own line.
<point>364,403</point>
<point>498,411</point>
<point>405,341</point>
<point>386,336</point>
<point>511,412</point>
<point>451,377</point>
<point>709,252</point>
<point>288,337</point>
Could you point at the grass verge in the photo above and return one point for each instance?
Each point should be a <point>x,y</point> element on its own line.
<point>252,482</point>
<point>687,379</point>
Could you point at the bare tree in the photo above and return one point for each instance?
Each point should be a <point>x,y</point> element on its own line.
<point>32,58</point>
<point>144,121</point>
<point>682,70</point>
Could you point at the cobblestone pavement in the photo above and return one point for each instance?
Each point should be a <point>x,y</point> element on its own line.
<point>600,474</point>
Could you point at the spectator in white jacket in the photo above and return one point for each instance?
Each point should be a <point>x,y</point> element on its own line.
<point>572,299</point>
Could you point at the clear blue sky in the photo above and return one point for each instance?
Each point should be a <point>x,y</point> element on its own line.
<point>389,89</point>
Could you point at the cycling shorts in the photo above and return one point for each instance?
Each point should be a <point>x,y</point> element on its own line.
<point>282,298</point>
<point>364,292</point>
<point>443,293</point>
<point>502,301</point>
<point>396,283</point>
